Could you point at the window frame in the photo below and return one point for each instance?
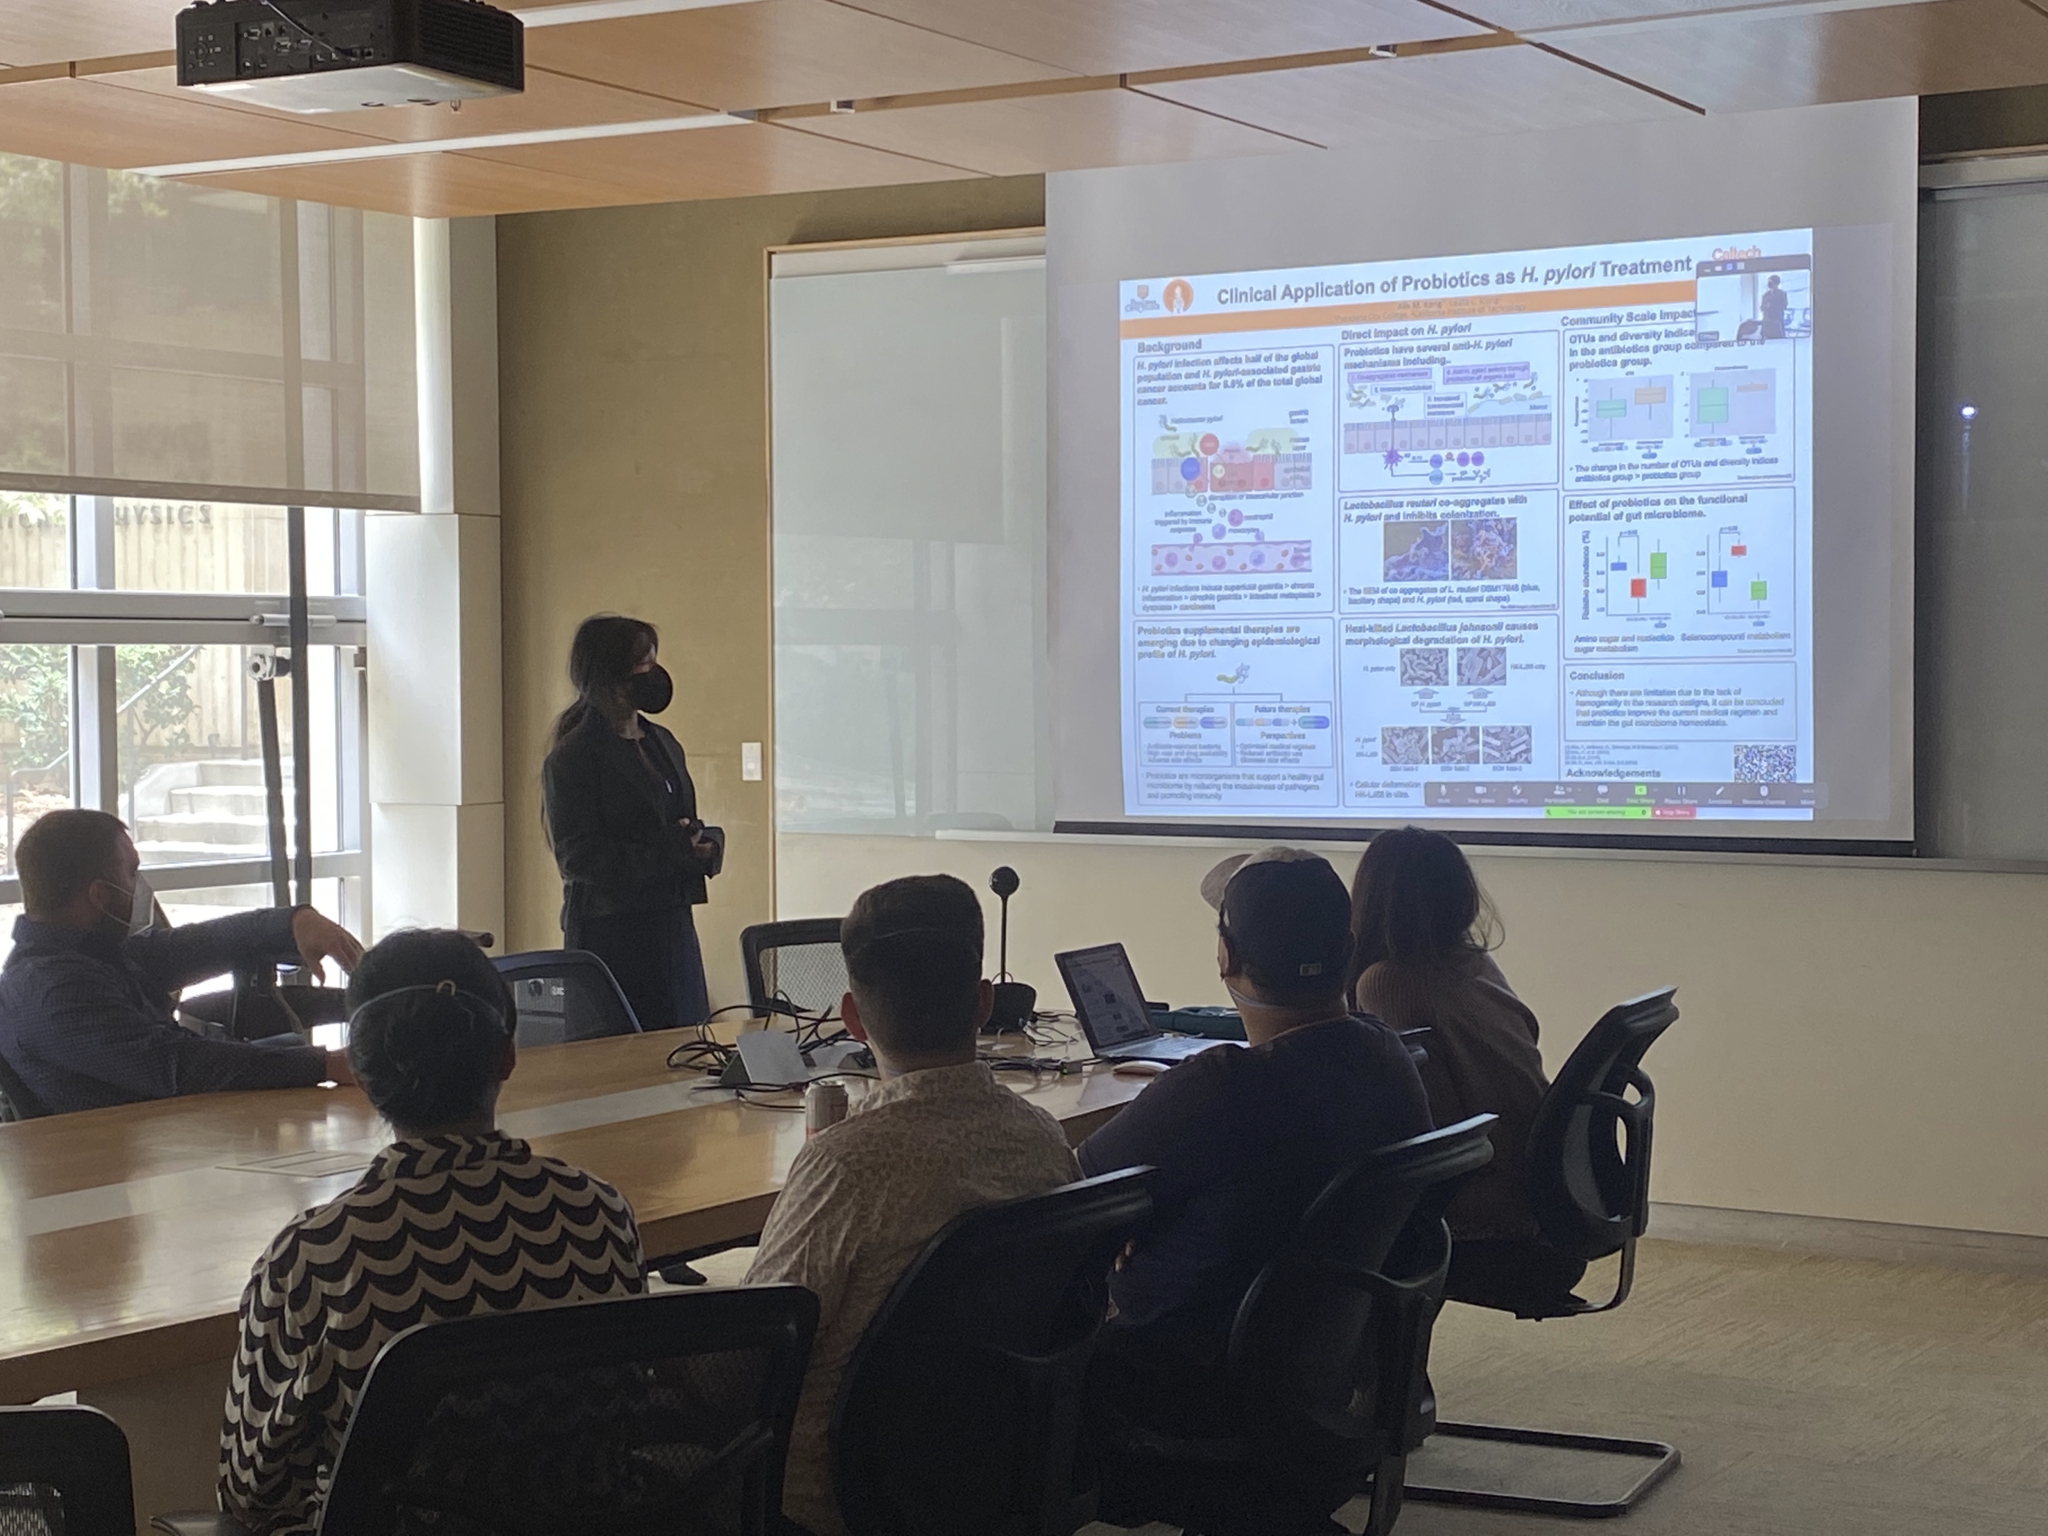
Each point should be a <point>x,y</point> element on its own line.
<point>313,362</point>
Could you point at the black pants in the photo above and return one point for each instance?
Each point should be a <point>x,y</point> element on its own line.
<point>655,958</point>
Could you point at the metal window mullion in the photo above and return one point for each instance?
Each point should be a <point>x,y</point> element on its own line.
<point>95,744</point>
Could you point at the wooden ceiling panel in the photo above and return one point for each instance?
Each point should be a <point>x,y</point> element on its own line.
<point>1487,90</point>
<point>549,101</point>
<point>1527,16</point>
<point>52,31</point>
<point>1071,130</point>
<point>772,54</point>
<point>1759,61</point>
<point>436,186</point>
<point>1107,37</point>
<point>747,160</point>
<point>93,122</point>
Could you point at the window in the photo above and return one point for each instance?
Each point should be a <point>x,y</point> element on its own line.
<point>186,374</point>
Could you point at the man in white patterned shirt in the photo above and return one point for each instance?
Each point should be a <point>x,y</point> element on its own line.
<point>939,1136</point>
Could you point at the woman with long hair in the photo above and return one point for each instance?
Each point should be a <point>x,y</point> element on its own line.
<point>1422,933</point>
<point>621,816</point>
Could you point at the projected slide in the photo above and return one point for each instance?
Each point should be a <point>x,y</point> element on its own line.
<point>1236,509</point>
<point>1522,534</point>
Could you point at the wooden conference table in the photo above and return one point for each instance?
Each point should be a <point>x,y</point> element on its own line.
<point>130,1232</point>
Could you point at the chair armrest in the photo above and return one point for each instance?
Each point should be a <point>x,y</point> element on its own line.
<point>195,1522</point>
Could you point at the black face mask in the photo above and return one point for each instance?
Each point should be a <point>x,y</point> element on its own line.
<point>651,691</point>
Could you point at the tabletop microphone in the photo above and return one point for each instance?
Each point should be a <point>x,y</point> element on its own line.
<point>1014,1001</point>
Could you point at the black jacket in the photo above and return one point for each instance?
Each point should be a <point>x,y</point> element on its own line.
<point>85,1019</point>
<point>615,847</point>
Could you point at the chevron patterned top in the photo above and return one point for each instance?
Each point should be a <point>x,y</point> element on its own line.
<point>437,1228</point>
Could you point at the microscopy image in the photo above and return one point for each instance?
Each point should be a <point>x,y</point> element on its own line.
<point>1425,667</point>
<point>1415,551</point>
<point>1404,746</point>
<point>1505,743</point>
<point>1775,763</point>
<point>1481,666</point>
<point>1454,743</point>
<point>1483,549</point>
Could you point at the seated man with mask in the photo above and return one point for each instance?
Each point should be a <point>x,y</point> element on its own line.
<point>86,994</point>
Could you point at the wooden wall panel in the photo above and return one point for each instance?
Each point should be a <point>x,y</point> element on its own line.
<point>1016,135</point>
<point>549,101</point>
<point>1757,61</point>
<point>429,186</point>
<point>46,31</point>
<point>750,160</point>
<point>1491,90</point>
<point>98,122</point>
<point>1107,37</point>
<point>775,53</point>
<point>1526,16</point>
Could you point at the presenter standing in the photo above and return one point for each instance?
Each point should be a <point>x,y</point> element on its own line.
<point>621,815</point>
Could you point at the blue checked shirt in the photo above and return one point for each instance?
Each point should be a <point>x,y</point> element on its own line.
<point>85,1017</point>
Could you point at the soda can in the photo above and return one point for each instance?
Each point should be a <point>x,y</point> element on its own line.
<point>824,1106</point>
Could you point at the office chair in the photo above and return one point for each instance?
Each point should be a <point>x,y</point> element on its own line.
<point>564,994</point>
<point>960,1409</point>
<point>16,1102</point>
<point>795,963</point>
<point>1325,1382</point>
<point>657,1413</point>
<point>63,1472</point>
<point>1587,1167</point>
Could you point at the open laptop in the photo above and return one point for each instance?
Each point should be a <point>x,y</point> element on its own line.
<point>1111,1007</point>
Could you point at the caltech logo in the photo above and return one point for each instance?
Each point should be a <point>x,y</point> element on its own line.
<point>1142,303</point>
<point>1737,252</point>
<point>1180,296</point>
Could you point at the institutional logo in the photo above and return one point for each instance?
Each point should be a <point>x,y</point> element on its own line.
<point>1180,296</point>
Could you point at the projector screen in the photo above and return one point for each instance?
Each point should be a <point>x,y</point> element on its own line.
<point>1607,536</point>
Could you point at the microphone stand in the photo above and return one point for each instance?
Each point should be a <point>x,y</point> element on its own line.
<point>1014,1001</point>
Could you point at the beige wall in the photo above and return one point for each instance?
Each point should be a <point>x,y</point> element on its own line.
<point>633,377</point>
<point>1864,1041</point>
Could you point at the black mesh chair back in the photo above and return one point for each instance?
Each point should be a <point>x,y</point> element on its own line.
<point>1331,1343</point>
<point>665,1413</point>
<point>796,963</point>
<point>960,1408</point>
<point>63,1472</point>
<point>1588,1158</point>
<point>17,1103</point>
<point>1587,1171</point>
<point>565,994</point>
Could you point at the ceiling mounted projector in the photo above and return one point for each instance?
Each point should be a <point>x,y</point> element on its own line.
<point>343,55</point>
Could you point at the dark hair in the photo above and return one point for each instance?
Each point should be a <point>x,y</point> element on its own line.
<point>607,647</point>
<point>1415,899</point>
<point>62,854</point>
<point>913,958</point>
<point>429,1016</point>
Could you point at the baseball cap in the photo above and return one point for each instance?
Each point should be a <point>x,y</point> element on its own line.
<point>1287,915</point>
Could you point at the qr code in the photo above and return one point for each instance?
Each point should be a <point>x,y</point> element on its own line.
<point>1775,764</point>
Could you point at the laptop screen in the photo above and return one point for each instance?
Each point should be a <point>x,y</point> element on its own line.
<point>1106,995</point>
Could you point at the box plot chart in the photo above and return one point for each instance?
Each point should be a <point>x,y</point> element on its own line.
<point>1735,402</point>
<point>1638,576</point>
<point>1629,410</point>
<point>1739,577</point>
